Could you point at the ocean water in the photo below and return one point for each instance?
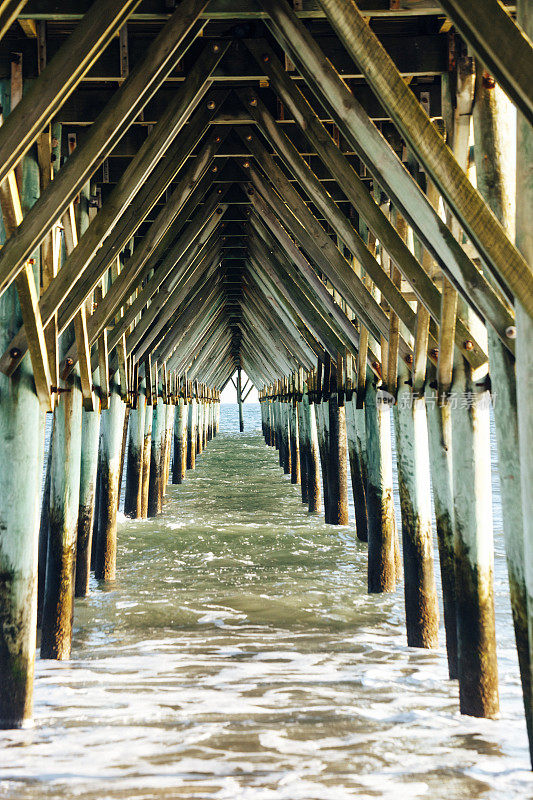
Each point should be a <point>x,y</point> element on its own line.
<point>238,656</point>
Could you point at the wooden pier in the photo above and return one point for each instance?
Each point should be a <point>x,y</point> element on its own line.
<point>320,194</point>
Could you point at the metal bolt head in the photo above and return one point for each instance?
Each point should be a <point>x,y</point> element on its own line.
<point>253,101</point>
<point>434,353</point>
<point>468,345</point>
<point>211,105</point>
<point>266,58</point>
<point>409,358</point>
<point>250,192</point>
<point>246,164</point>
<point>510,332</point>
<point>488,81</point>
<point>217,139</point>
<point>249,137</point>
<point>216,48</point>
<point>15,352</point>
<point>219,210</point>
<point>214,168</point>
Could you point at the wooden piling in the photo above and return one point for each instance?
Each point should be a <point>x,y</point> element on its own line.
<point>239,400</point>
<point>20,482</point>
<point>381,522</point>
<point>355,431</point>
<point>112,428</point>
<point>412,451</point>
<point>303,448</point>
<point>133,493</point>
<point>294,441</point>
<point>191,433</point>
<point>337,462</point>
<point>147,454</point>
<point>90,436</point>
<point>179,464</point>
<point>155,492</point>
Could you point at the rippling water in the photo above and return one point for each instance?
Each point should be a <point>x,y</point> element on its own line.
<point>239,656</point>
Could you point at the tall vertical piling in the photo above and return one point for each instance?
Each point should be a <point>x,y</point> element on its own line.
<point>337,461</point>
<point>356,438</point>
<point>155,492</point>
<point>90,436</point>
<point>179,464</point>
<point>134,467</point>
<point>20,486</point>
<point>147,454</point>
<point>191,433</point>
<point>294,441</point>
<point>112,429</point>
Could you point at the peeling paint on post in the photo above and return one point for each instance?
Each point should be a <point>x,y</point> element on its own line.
<point>134,466</point>
<point>474,556</point>
<point>20,447</point>
<point>337,463</point>
<point>412,451</point>
<point>355,430</point>
<point>440,453</point>
<point>147,454</point>
<point>90,436</point>
<point>191,434</point>
<point>179,466</point>
<point>381,522</point>
<point>112,429</point>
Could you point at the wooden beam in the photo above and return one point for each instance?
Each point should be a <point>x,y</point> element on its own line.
<point>480,224</point>
<point>59,79</point>
<point>112,122</point>
<point>9,11</point>
<point>500,44</point>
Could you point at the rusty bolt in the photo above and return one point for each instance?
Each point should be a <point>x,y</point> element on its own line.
<point>488,81</point>
<point>211,105</point>
<point>434,353</point>
<point>219,210</point>
<point>217,139</point>
<point>510,332</point>
<point>468,345</point>
<point>266,58</point>
<point>249,137</point>
<point>409,358</point>
<point>216,48</point>
<point>376,364</point>
<point>214,168</point>
<point>246,164</point>
<point>250,192</point>
<point>31,261</point>
<point>219,191</point>
<point>253,101</point>
<point>15,352</point>
<point>69,362</point>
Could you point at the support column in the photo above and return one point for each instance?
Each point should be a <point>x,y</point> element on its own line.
<point>147,455</point>
<point>191,433</point>
<point>112,429</point>
<point>20,482</point>
<point>294,441</point>
<point>133,494</point>
<point>303,447</point>
<point>155,492</point>
<point>379,497</point>
<point>496,179</point>
<point>239,400</point>
<point>524,330</point>
<point>90,436</point>
<point>58,606</point>
<point>199,427</point>
<point>412,451</point>
<point>355,430</point>
<point>179,466</point>
<point>337,462</point>
<point>474,556</point>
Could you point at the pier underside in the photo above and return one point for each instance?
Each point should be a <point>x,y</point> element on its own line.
<point>326,201</point>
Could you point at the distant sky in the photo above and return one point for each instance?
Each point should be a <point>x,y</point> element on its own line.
<point>229,395</point>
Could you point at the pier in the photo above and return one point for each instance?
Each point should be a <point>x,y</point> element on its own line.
<point>328,202</point>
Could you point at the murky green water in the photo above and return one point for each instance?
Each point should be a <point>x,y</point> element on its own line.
<point>238,656</point>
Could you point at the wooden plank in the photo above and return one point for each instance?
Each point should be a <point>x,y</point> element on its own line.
<point>9,11</point>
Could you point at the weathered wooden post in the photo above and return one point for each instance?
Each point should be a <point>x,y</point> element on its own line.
<point>524,330</point>
<point>379,497</point>
<point>19,512</point>
<point>313,457</point>
<point>337,460</point>
<point>239,399</point>
<point>294,440</point>
<point>179,466</point>
<point>112,430</point>
<point>155,493</point>
<point>412,451</point>
<point>496,180</point>
<point>355,430</point>
<point>147,454</point>
<point>191,433</point>
<point>303,443</point>
<point>199,426</point>
<point>90,436</point>
<point>133,494</point>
